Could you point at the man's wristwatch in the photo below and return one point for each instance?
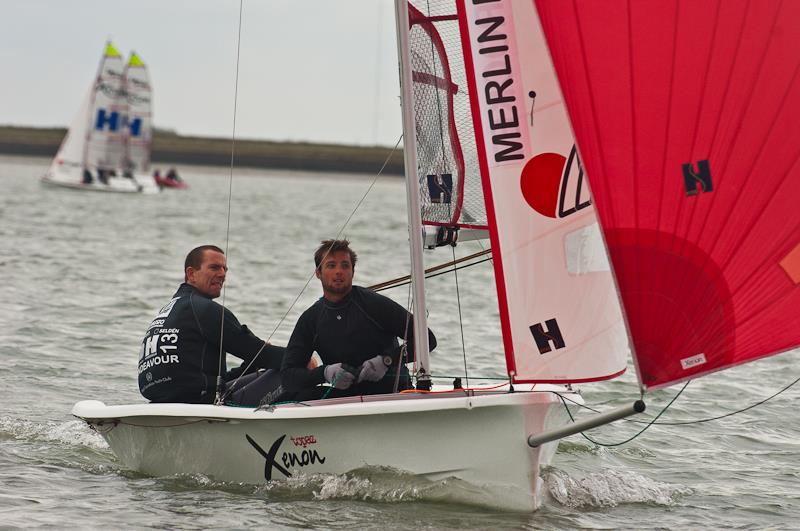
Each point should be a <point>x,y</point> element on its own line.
<point>387,360</point>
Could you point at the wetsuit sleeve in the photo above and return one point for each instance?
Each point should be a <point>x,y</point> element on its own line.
<point>398,321</point>
<point>294,372</point>
<point>237,339</point>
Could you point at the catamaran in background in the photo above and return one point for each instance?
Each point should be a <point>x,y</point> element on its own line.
<point>670,155</point>
<point>107,147</point>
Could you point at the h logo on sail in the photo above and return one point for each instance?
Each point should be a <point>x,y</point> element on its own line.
<point>106,119</point>
<point>692,179</point>
<point>545,337</point>
<point>114,121</point>
<point>134,126</point>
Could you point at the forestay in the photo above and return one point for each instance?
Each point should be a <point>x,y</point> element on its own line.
<point>559,309</point>
<point>686,116</point>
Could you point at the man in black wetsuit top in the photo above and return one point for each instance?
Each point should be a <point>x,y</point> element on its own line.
<point>180,357</point>
<point>354,331</point>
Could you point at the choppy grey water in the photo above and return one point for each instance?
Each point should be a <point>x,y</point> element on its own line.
<point>85,272</point>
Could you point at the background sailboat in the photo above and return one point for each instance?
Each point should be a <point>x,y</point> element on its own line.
<point>92,153</point>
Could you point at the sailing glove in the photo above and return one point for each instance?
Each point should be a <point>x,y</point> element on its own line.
<point>373,370</point>
<point>338,376</point>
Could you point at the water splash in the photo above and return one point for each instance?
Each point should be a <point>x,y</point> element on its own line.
<point>580,447</point>
<point>70,433</point>
<point>610,488</point>
<point>376,484</point>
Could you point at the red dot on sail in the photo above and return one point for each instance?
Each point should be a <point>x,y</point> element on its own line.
<point>541,181</point>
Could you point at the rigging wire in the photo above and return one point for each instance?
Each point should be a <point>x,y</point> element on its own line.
<point>460,318</point>
<point>218,398</point>
<point>341,230</point>
<point>311,276</point>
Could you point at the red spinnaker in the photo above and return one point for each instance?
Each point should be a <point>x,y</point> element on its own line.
<point>686,117</point>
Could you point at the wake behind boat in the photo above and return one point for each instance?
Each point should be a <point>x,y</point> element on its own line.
<point>107,146</point>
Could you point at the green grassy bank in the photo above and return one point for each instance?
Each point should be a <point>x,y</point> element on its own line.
<point>170,148</point>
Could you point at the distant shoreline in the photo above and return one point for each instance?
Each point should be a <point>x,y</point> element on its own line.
<point>170,148</point>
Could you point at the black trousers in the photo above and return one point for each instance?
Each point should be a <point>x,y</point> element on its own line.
<point>250,389</point>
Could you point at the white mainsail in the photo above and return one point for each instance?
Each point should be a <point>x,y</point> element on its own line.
<point>137,122</point>
<point>68,165</point>
<point>108,141</point>
<point>105,138</point>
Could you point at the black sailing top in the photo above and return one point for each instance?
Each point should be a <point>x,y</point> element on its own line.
<point>362,325</point>
<point>179,361</point>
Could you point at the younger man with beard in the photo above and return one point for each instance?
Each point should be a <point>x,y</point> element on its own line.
<point>354,331</point>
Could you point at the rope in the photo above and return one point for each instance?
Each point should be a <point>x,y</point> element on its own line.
<point>218,398</point>
<point>459,390</point>
<point>608,445</point>
<point>709,419</point>
<point>402,281</point>
<point>446,377</point>
<point>679,423</point>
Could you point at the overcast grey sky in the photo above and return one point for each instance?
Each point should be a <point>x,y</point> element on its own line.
<point>316,70</point>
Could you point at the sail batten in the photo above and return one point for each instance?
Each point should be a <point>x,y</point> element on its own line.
<point>692,154</point>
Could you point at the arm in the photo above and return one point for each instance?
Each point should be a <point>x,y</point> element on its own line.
<point>294,372</point>
<point>242,343</point>
<point>237,339</point>
<point>397,321</point>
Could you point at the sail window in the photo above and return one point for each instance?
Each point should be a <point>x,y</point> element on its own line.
<point>585,252</point>
<point>791,264</point>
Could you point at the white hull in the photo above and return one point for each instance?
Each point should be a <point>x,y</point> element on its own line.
<point>139,184</point>
<point>480,439</point>
<point>147,183</point>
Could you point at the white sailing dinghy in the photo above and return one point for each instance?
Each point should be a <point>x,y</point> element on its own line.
<point>692,152</point>
<point>91,155</point>
<point>553,337</point>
